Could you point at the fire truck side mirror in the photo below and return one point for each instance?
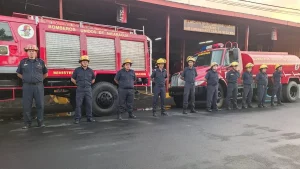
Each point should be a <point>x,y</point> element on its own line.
<point>236,54</point>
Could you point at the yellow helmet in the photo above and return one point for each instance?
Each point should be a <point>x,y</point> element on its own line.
<point>277,66</point>
<point>84,58</point>
<point>249,65</point>
<point>127,60</point>
<point>190,58</point>
<point>263,66</point>
<point>214,64</point>
<point>234,64</point>
<point>161,60</point>
<point>31,47</point>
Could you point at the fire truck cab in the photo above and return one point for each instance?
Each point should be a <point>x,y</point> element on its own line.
<point>61,43</point>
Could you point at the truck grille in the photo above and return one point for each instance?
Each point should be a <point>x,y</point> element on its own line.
<point>62,50</point>
<point>134,51</point>
<point>102,53</point>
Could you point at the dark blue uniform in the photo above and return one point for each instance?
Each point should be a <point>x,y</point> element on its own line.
<point>262,86</point>
<point>126,81</point>
<point>277,87</point>
<point>212,78</point>
<point>232,89</point>
<point>32,71</point>
<point>189,75</point>
<point>84,78</point>
<point>248,90</point>
<point>159,77</point>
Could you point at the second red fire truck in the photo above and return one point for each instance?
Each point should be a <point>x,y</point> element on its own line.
<point>224,55</point>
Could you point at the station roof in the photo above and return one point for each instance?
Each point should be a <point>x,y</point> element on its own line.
<point>219,12</point>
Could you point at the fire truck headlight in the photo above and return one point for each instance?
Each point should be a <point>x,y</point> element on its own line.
<point>198,83</point>
<point>139,80</point>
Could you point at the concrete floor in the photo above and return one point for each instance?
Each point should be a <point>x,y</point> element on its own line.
<point>248,139</point>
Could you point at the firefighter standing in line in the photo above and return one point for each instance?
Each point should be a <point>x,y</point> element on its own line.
<point>126,78</point>
<point>188,75</point>
<point>247,78</point>
<point>262,84</point>
<point>32,71</point>
<point>277,86</point>
<point>159,76</point>
<point>83,77</point>
<point>232,89</point>
<point>212,79</point>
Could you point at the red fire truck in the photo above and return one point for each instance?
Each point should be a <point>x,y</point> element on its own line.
<point>61,43</point>
<point>224,56</point>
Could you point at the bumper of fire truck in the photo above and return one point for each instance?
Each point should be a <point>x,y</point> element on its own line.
<point>200,92</point>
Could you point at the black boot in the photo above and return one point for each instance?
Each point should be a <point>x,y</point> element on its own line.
<point>154,114</point>
<point>26,126</point>
<point>272,104</point>
<point>90,120</point>
<point>260,106</point>
<point>208,110</point>
<point>250,106</point>
<point>228,108</point>
<point>132,116</point>
<point>184,111</point>
<point>236,107</point>
<point>280,104</point>
<point>244,107</point>
<point>193,111</point>
<point>77,121</point>
<point>164,113</point>
<point>41,124</point>
<point>119,117</point>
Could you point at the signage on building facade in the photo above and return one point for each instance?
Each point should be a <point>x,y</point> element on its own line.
<point>206,27</point>
<point>122,14</point>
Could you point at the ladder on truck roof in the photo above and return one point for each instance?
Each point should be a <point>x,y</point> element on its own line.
<point>78,24</point>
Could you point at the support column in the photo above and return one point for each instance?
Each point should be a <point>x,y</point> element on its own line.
<point>168,52</point>
<point>61,9</point>
<point>183,54</point>
<point>247,39</point>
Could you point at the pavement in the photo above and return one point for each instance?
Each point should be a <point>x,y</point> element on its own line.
<point>13,109</point>
<point>244,139</point>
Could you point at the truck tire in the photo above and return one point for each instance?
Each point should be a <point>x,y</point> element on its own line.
<point>221,96</point>
<point>178,101</point>
<point>105,99</point>
<point>290,92</point>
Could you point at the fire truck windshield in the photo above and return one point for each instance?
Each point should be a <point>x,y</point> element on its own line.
<point>207,57</point>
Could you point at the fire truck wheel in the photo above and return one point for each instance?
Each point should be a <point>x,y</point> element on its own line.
<point>105,99</point>
<point>178,101</point>
<point>290,92</point>
<point>221,96</point>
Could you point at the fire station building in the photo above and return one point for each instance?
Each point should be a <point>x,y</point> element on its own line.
<point>179,28</point>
